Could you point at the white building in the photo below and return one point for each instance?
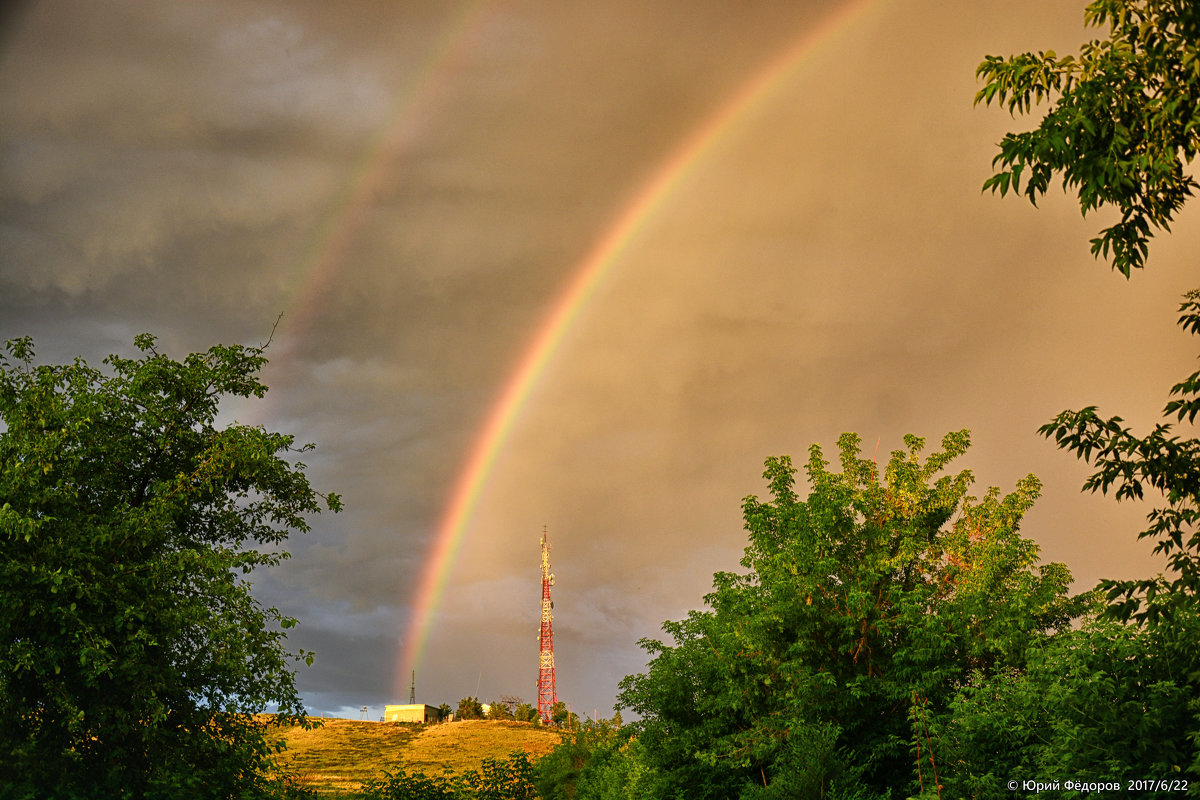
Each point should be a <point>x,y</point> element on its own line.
<point>412,713</point>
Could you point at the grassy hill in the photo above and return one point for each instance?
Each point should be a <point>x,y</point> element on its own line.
<point>338,757</point>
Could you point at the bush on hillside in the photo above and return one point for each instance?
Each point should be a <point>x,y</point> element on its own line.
<point>496,779</point>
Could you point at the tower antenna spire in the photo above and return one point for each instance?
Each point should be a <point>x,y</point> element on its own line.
<point>547,690</point>
<point>412,690</point>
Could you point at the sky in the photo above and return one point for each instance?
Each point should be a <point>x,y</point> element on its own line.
<point>574,267</point>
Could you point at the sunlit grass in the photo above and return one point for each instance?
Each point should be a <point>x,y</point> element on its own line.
<point>463,746</point>
<point>341,754</point>
<point>338,757</point>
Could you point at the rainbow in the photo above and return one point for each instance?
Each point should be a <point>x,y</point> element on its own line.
<point>328,246</point>
<point>586,277</point>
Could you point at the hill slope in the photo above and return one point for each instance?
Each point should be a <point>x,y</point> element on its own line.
<point>464,745</point>
<point>342,754</point>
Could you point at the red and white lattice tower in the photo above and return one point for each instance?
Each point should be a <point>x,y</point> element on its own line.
<point>547,691</point>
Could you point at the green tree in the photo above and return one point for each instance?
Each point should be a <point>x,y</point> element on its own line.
<point>562,717</point>
<point>864,599</point>
<point>1124,123</point>
<point>469,708</point>
<point>559,772</point>
<point>596,761</point>
<point>498,709</point>
<point>619,770</point>
<point>444,712</point>
<point>1110,701</point>
<point>133,652</point>
<point>525,712</point>
<point>1161,462</point>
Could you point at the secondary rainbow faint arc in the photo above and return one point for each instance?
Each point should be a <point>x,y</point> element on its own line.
<point>337,231</point>
<point>473,478</point>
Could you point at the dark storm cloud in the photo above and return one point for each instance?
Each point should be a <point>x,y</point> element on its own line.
<point>413,184</point>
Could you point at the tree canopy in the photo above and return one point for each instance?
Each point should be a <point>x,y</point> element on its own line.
<point>872,596</point>
<point>1107,701</point>
<point>1124,123</point>
<point>469,708</point>
<point>498,709</point>
<point>134,653</point>
<point>526,712</point>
